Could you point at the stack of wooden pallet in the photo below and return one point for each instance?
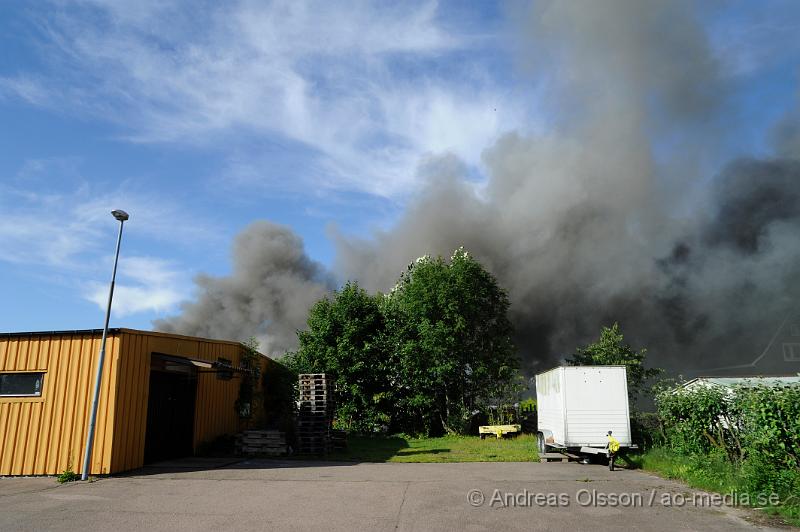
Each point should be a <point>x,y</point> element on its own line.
<point>315,414</point>
<point>268,442</point>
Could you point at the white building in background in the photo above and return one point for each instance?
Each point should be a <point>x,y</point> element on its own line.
<point>729,382</point>
<point>779,357</point>
<point>791,349</point>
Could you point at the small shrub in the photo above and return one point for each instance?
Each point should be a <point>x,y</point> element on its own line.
<point>68,475</point>
<point>744,439</point>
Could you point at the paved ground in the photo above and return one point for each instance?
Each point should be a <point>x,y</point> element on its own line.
<point>291,495</point>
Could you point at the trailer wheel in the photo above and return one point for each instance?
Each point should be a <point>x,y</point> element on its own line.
<point>541,445</point>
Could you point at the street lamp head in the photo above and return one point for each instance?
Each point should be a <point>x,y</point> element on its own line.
<point>120,215</point>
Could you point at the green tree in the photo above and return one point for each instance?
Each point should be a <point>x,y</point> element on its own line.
<point>250,399</point>
<point>420,359</point>
<point>611,350</point>
<point>453,341</point>
<point>345,339</point>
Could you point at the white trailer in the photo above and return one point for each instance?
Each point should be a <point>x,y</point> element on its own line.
<point>578,405</point>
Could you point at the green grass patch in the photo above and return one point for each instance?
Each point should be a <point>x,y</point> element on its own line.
<point>709,473</point>
<point>438,450</point>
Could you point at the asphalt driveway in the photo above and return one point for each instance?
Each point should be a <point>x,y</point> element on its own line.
<point>291,495</point>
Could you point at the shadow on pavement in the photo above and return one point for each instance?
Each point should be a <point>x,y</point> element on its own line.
<point>422,451</point>
<point>192,464</point>
<point>364,449</point>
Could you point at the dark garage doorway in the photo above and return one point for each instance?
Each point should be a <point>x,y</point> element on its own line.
<point>170,409</point>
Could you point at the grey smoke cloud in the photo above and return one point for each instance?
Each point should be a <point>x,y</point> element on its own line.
<point>612,216</point>
<point>268,294</point>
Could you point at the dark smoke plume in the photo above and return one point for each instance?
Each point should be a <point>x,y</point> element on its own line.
<point>616,215</point>
<point>268,295</point>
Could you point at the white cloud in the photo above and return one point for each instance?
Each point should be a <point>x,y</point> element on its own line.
<point>357,84</point>
<point>146,284</point>
<point>66,229</point>
<point>58,227</point>
<point>26,88</point>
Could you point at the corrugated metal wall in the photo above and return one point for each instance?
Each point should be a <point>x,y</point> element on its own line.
<point>47,434</point>
<point>215,414</point>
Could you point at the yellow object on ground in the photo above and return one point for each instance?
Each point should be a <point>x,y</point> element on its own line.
<point>498,430</point>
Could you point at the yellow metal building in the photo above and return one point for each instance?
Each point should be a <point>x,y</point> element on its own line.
<point>162,395</point>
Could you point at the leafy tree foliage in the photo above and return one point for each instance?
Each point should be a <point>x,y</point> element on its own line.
<point>248,404</point>
<point>753,426</point>
<point>346,338</point>
<point>609,350</point>
<point>420,359</point>
<point>454,340</point>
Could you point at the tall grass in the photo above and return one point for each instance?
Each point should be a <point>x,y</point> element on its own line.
<point>715,473</point>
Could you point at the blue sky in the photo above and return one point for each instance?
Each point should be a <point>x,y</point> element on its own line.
<point>200,117</point>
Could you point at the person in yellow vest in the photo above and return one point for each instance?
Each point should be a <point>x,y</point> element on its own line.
<point>613,447</point>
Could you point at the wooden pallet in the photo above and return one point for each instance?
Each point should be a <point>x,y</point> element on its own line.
<point>262,450</point>
<point>264,442</point>
<point>321,406</point>
<point>315,383</point>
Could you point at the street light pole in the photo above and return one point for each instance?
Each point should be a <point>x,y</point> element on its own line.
<point>121,216</point>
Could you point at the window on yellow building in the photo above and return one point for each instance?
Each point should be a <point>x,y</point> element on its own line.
<point>21,384</point>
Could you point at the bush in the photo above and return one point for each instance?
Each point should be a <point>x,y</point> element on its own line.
<point>68,475</point>
<point>696,421</point>
<point>746,438</point>
<point>770,423</point>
